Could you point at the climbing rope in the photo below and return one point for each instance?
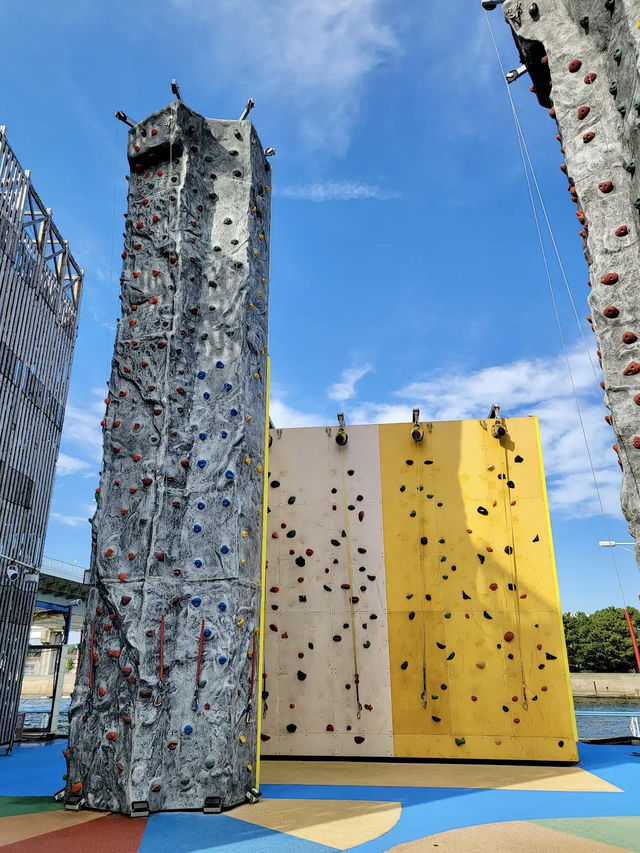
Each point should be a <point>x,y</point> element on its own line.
<point>423,695</point>
<point>194,701</point>
<point>157,701</point>
<point>356,678</point>
<point>508,517</point>
<point>113,236</point>
<point>527,167</point>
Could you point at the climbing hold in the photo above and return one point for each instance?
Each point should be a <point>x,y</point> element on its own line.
<point>588,136</point>
<point>291,728</point>
<point>629,337</point>
<point>611,312</point>
<point>605,186</point>
<point>583,112</point>
<point>622,231</point>
<point>632,369</point>
<point>617,53</point>
<point>460,741</point>
<point>590,78</point>
<point>508,636</point>
<point>423,540</point>
<point>482,511</point>
<point>301,675</point>
<point>486,615</point>
<point>481,664</point>
<point>575,65</point>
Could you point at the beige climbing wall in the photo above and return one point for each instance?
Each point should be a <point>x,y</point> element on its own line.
<point>325,557</point>
<point>456,615</point>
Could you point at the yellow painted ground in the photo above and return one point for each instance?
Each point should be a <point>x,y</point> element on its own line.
<point>380,774</point>
<point>336,823</point>
<point>20,827</point>
<point>512,837</point>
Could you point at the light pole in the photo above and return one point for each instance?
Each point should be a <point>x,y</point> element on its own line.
<point>634,639</point>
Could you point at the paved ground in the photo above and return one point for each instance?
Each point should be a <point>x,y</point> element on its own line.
<point>368,808</point>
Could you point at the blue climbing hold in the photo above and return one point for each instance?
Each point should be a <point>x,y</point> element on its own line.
<point>201,374</point>
<point>228,386</point>
<point>226,502</point>
<point>196,602</point>
<point>203,435</point>
<point>202,463</point>
<point>207,632</point>
<point>197,528</point>
<point>197,563</point>
<point>222,659</point>
<point>222,607</point>
<point>219,364</point>
<point>229,475</point>
<point>224,549</point>
<point>234,412</point>
<point>201,504</point>
<point>224,433</point>
<point>206,395</point>
<point>188,730</point>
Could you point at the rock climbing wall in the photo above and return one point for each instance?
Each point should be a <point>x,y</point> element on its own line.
<point>591,52</point>
<point>164,709</point>
<point>459,648</point>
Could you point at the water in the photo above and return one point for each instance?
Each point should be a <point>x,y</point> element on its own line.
<point>605,717</point>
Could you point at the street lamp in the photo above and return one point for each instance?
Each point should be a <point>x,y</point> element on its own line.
<point>607,544</point>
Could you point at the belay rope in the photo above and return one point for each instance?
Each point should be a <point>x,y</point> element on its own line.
<point>356,675</point>
<point>194,702</point>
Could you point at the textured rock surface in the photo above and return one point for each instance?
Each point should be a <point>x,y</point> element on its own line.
<point>177,536</point>
<point>592,52</point>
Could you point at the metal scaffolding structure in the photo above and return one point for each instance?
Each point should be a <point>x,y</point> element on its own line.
<point>40,290</point>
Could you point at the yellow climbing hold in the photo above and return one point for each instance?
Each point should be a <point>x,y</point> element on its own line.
<point>240,622</point>
<point>249,419</point>
<point>259,293</point>
<point>242,739</point>
<point>260,236</point>
<point>263,280</point>
<point>247,460</point>
<point>249,767</point>
<point>256,375</point>
<point>251,306</point>
<point>267,189</point>
<point>261,394</point>
<point>243,561</point>
<point>256,253</point>
<point>250,654</point>
<point>259,468</point>
<point>254,208</point>
<point>244,534</point>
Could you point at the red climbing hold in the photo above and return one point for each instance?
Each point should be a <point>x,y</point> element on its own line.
<point>125,600</point>
<point>636,442</point>
<point>590,78</point>
<point>583,112</point>
<point>632,369</point>
<point>622,231</point>
<point>636,399</point>
<point>610,311</point>
<point>605,186</point>
<point>184,463</point>
<point>575,65</point>
<point>122,576</point>
<point>309,552</point>
<point>508,636</point>
<point>629,338</point>
<point>330,728</point>
<point>493,586</point>
<point>160,555</point>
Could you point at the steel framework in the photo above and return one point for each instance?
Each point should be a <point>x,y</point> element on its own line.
<point>40,291</point>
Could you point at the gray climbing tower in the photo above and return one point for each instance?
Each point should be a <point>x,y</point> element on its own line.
<point>164,709</point>
<point>591,53</point>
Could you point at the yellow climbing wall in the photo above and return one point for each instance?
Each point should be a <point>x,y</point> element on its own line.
<point>476,649</point>
<point>412,565</point>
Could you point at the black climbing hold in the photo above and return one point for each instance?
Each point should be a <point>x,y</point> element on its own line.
<point>423,540</point>
<point>550,656</point>
<point>584,22</point>
<point>510,656</point>
<point>441,541</point>
<point>291,500</point>
<point>326,588</point>
<point>275,484</point>
<point>362,550</point>
<point>351,507</point>
<point>511,484</point>
<point>300,561</point>
<point>541,666</point>
<point>534,698</point>
<point>483,511</point>
<point>301,675</point>
<point>302,599</point>
<point>560,743</point>
<point>344,534</point>
<point>436,719</point>
<point>291,728</point>
<point>347,687</point>
<point>505,709</point>
<point>486,615</point>
<point>441,645</point>
<point>537,538</point>
<point>337,638</point>
<point>358,738</point>
<point>428,461</point>
<point>508,549</point>
<point>481,558</point>
<point>451,655</point>
<point>335,543</point>
<point>404,664</point>
<point>291,534</point>
<point>334,491</point>
<point>443,687</point>
<point>427,597</point>
<point>511,586</point>
<point>402,488</point>
<point>351,472</point>
<point>453,568</point>
<point>465,597</point>
<point>345,625</point>
<point>310,645</point>
<point>335,562</point>
<point>409,461</point>
<point>518,459</point>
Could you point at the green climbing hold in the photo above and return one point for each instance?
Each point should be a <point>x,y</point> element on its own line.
<point>412,514</point>
<point>184,780</point>
<point>613,88</point>
<point>434,696</point>
<point>617,55</point>
<point>445,577</point>
<point>291,500</point>
<point>351,506</point>
<point>291,534</point>
<point>622,110</point>
<point>636,105</point>
<point>443,559</point>
<point>451,656</point>
<point>441,541</point>
<point>447,616</point>
<point>366,644</point>
<point>630,166</point>
<point>430,496</point>
<point>460,741</point>
<point>584,22</point>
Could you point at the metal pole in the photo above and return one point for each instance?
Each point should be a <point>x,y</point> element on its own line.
<point>634,639</point>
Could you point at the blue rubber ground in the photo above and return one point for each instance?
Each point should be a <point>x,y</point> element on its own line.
<point>37,771</point>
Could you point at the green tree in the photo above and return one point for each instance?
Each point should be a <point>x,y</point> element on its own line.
<point>600,642</point>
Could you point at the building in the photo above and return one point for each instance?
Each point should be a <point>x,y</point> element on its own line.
<point>40,290</point>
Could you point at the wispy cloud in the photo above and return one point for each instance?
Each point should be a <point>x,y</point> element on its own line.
<point>346,387</point>
<point>310,55</point>
<point>69,520</point>
<point>286,417</point>
<point>82,426</point>
<point>336,191</point>
<point>70,465</point>
<point>526,387</point>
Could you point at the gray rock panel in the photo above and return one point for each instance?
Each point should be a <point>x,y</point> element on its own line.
<point>592,52</point>
<point>177,535</point>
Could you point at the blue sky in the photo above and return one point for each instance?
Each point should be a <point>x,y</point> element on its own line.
<point>405,265</point>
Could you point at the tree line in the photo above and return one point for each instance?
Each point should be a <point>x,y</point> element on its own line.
<point>600,641</point>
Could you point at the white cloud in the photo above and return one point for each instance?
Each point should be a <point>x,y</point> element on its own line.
<point>70,465</point>
<point>527,387</point>
<point>346,388</point>
<point>69,520</point>
<point>311,56</point>
<point>285,417</point>
<point>82,426</point>
<point>336,191</point>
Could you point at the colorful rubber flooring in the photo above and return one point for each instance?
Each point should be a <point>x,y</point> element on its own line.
<point>316,807</point>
